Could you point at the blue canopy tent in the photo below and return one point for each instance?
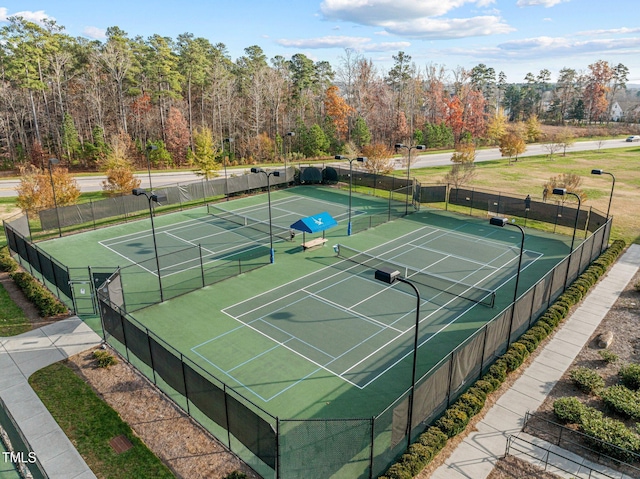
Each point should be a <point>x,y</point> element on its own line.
<point>314,224</point>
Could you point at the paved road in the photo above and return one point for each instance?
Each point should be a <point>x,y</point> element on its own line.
<point>94,183</point>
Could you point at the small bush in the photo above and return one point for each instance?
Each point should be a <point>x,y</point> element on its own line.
<point>236,475</point>
<point>568,409</point>
<point>587,380</point>
<point>630,376</point>
<point>622,400</point>
<point>46,303</point>
<point>618,440</point>
<point>453,421</point>
<point>7,264</point>
<point>104,359</point>
<point>608,356</point>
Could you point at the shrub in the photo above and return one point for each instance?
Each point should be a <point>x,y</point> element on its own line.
<point>630,376</point>
<point>453,421</point>
<point>587,380</point>
<point>608,356</point>
<point>471,402</point>
<point>236,475</point>
<point>7,264</point>
<point>618,440</point>
<point>104,359</point>
<point>46,303</point>
<point>568,409</point>
<point>622,400</point>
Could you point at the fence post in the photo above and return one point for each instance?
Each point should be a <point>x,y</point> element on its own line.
<point>277,447</point>
<point>184,381</point>
<point>201,264</point>
<point>373,430</point>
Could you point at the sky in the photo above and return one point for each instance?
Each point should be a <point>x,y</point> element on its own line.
<point>512,36</point>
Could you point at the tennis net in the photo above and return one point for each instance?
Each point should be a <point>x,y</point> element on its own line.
<point>236,219</point>
<point>469,292</point>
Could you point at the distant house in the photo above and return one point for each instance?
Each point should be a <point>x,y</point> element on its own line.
<point>617,113</point>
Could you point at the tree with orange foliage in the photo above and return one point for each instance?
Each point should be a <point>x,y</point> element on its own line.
<point>176,132</point>
<point>35,192</point>
<point>455,117</point>
<point>338,110</point>
<point>379,158</point>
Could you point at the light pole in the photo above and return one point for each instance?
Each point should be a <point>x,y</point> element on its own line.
<point>563,192</point>
<point>390,276</point>
<point>272,256</point>
<point>409,148</point>
<point>149,149</point>
<point>55,161</point>
<point>602,172</point>
<point>502,222</point>
<point>290,134</point>
<point>224,164</point>
<point>157,198</point>
<point>361,159</point>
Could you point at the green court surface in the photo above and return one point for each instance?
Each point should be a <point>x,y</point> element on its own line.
<point>315,335</point>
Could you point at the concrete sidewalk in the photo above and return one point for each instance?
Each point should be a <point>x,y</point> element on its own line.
<point>21,356</point>
<point>476,456</point>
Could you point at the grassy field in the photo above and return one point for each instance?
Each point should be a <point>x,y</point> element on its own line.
<point>528,175</point>
<point>90,424</point>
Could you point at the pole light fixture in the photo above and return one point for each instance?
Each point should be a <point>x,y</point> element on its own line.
<point>157,198</point>
<point>399,146</point>
<point>228,140</point>
<point>361,159</point>
<point>563,192</point>
<point>149,149</point>
<point>390,276</point>
<point>272,256</point>
<point>55,161</point>
<point>602,172</point>
<point>290,134</point>
<point>502,222</point>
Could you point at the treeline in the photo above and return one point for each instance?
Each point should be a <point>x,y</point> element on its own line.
<point>69,98</point>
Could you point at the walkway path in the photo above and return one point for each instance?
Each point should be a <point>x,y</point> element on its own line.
<point>476,456</point>
<point>21,356</point>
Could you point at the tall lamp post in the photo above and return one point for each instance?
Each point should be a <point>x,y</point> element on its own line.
<point>157,198</point>
<point>563,192</point>
<point>224,164</point>
<point>361,159</point>
<point>409,148</point>
<point>272,256</point>
<point>502,222</point>
<point>290,134</point>
<point>602,172</point>
<point>390,276</point>
<point>55,161</point>
<point>149,149</point>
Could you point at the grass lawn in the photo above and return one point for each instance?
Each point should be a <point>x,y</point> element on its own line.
<point>90,424</point>
<point>528,175</point>
<point>12,318</point>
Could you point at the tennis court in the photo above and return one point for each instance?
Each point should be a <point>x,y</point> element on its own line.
<point>308,360</point>
<point>340,320</point>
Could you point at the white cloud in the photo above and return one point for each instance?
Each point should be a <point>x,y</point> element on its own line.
<point>540,48</point>
<point>429,28</point>
<point>612,31</point>
<point>536,3</point>
<point>35,17</point>
<point>416,19</point>
<point>362,44</point>
<point>95,33</point>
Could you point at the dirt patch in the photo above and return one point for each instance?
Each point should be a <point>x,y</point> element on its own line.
<point>189,450</point>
